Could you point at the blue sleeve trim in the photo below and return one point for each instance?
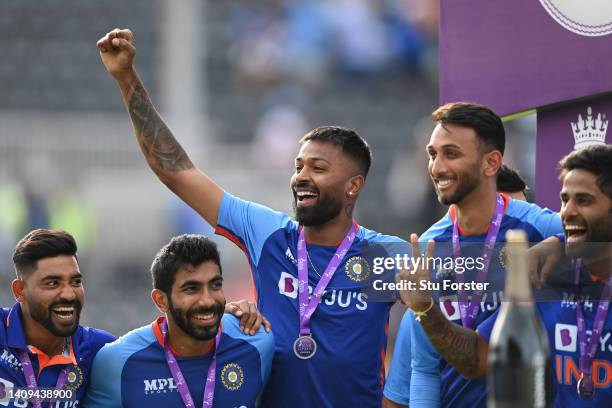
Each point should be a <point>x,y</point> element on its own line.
<point>397,387</point>
<point>250,223</point>
<point>545,221</point>
<point>105,387</point>
<point>262,341</point>
<point>425,382</point>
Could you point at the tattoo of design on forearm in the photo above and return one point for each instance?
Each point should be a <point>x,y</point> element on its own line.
<point>456,344</point>
<point>156,140</point>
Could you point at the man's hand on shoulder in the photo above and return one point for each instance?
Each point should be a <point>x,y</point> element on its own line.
<point>250,317</point>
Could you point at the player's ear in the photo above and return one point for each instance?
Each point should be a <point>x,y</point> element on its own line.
<point>17,287</point>
<point>161,300</point>
<point>354,185</point>
<point>492,163</point>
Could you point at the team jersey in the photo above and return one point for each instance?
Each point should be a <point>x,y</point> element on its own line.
<point>559,319</point>
<point>347,369</point>
<point>82,348</point>
<point>132,372</point>
<point>429,372</point>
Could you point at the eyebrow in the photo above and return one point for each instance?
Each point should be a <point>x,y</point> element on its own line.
<point>58,277</point>
<point>192,282</point>
<point>446,146</point>
<point>299,159</point>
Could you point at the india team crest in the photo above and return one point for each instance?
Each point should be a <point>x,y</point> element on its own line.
<point>74,379</point>
<point>357,269</point>
<point>232,376</point>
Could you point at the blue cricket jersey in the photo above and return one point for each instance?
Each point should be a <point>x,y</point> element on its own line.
<point>430,374</point>
<point>347,369</point>
<point>132,372</point>
<point>84,344</point>
<point>559,319</point>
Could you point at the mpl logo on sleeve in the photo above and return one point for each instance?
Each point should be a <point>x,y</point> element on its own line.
<point>589,18</point>
<point>566,337</point>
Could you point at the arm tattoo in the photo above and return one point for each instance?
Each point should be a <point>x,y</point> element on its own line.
<point>456,344</point>
<point>157,142</point>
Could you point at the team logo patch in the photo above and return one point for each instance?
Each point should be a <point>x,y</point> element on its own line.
<point>74,379</point>
<point>357,269</point>
<point>232,376</point>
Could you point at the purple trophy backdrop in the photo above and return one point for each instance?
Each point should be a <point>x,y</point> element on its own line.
<point>519,55</point>
<point>560,130</point>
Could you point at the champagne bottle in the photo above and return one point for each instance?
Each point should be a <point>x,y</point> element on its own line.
<point>519,364</point>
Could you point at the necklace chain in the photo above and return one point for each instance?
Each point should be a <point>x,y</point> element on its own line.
<point>312,264</point>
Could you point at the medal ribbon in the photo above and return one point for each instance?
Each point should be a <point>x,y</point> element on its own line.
<point>307,308</point>
<point>181,384</point>
<point>469,310</point>
<point>588,350</point>
<point>30,377</point>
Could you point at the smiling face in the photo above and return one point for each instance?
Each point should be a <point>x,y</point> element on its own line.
<point>323,179</point>
<point>586,213</point>
<point>455,162</point>
<point>197,302</point>
<point>52,295</point>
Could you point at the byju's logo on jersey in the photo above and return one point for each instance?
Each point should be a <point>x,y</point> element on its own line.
<point>159,385</point>
<point>450,307</point>
<point>288,285</point>
<point>5,385</point>
<point>232,376</point>
<point>566,337</point>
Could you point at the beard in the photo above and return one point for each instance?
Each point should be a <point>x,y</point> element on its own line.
<point>468,184</point>
<point>326,208</point>
<point>597,240</point>
<point>182,319</point>
<point>42,314</point>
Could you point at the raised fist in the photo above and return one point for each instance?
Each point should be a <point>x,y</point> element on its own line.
<point>117,51</point>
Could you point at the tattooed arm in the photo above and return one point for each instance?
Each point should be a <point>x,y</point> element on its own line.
<point>162,151</point>
<point>462,348</point>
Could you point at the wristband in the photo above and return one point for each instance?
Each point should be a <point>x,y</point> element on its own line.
<point>419,315</point>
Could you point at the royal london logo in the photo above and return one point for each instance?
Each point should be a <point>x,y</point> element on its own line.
<point>589,18</point>
<point>589,131</point>
<point>232,376</point>
<point>357,269</point>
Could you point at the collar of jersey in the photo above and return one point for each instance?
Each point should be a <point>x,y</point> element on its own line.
<point>156,326</point>
<point>16,339</point>
<point>452,212</point>
<point>357,229</point>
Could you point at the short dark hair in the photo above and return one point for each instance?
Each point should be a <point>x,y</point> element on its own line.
<point>187,249</point>
<point>510,181</point>
<point>596,159</point>
<point>40,244</point>
<point>353,145</point>
<point>486,123</point>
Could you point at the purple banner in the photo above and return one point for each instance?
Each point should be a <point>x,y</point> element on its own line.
<point>523,54</point>
<point>560,130</point>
